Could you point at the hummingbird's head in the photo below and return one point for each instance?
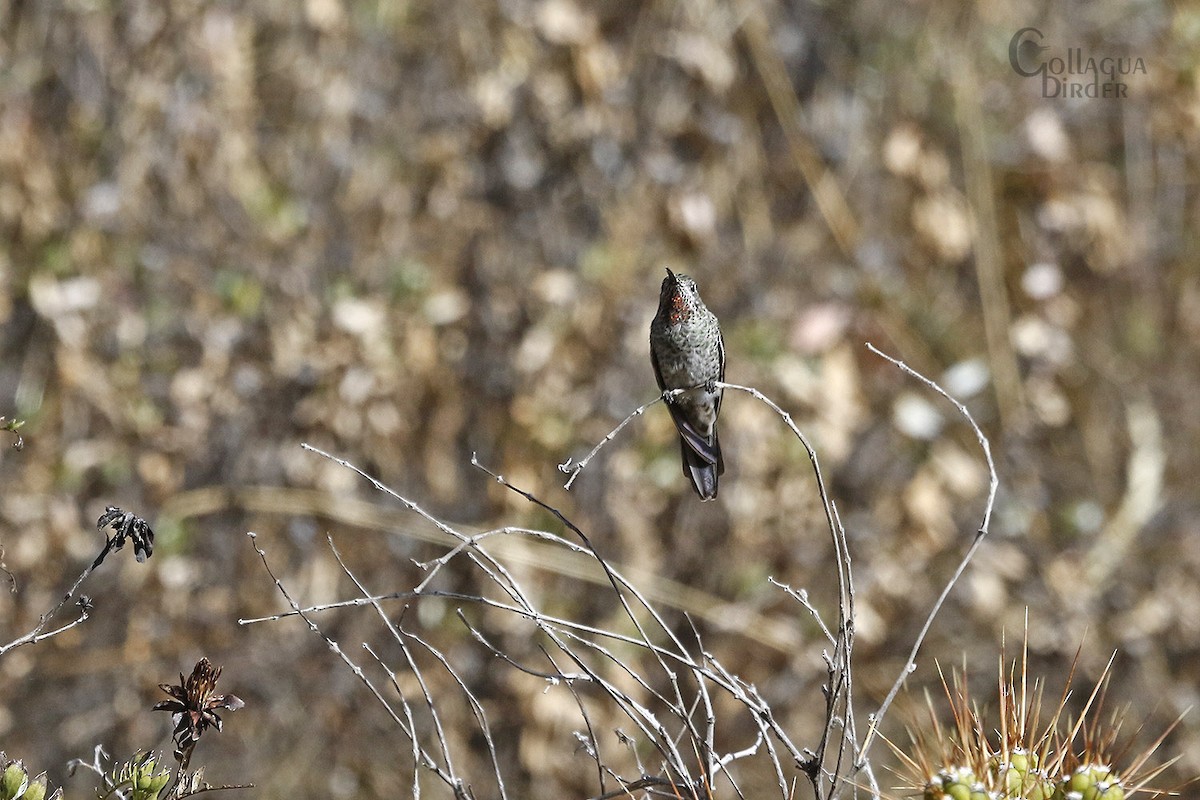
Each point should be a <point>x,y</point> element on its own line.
<point>678,298</point>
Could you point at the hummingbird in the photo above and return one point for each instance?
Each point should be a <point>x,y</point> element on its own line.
<point>687,352</point>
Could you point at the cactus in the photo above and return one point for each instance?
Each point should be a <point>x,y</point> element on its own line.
<point>1017,757</point>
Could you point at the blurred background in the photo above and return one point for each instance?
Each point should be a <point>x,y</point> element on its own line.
<point>407,232</point>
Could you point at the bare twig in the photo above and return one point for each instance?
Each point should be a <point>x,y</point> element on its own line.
<point>36,634</point>
<point>125,526</point>
<point>801,597</point>
<point>839,721</point>
<point>573,468</point>
<point>408,657</point>
<point>993,484</point>
<point>426,759</point>
<point>550,553</point>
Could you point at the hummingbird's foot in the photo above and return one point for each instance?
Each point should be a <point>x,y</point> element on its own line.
<point>710,386</point>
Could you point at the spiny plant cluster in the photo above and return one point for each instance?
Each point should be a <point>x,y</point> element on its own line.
<point>16,784</point>
<point>139,778</point>
<point>1065,758</point>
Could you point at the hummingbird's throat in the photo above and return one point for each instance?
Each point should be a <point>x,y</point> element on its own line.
<point>680,310</point>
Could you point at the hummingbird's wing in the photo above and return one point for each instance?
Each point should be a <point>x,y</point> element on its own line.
<point>657,372</point>
<point>720,376</point>
<point>694,440</point>
<point>716,443</point>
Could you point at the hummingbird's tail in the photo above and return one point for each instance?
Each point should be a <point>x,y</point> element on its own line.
<point>703,470</point>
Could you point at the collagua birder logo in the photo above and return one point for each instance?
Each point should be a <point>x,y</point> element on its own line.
<point>1071,72</point>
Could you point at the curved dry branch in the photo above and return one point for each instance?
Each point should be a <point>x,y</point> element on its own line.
<point>977,539</point>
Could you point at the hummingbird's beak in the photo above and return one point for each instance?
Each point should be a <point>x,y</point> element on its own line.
<point>672,274</point>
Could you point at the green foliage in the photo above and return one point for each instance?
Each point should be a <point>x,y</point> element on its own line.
<point>139,776</point>
<point>15,783</point>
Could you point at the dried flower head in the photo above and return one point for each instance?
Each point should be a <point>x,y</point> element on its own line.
<point>126,525</point>
<point>194,707</point>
